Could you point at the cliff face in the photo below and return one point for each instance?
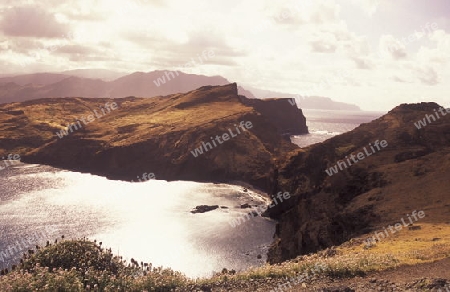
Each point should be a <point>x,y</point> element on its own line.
<point>410,173</point>
<point>288,118</point>
<point>156,135</point>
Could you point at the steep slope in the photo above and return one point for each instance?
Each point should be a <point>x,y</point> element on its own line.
<point>410,173</point>
<point>289,119</point>
<point>150,135</point>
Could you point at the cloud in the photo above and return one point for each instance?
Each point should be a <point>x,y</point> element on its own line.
<point>370,7</point>
<point>325,12</point>
<point>253,41</point>
<point>172,54</point>
<point>362,63</point>
<point>31,21</point>
<point>288,16</point>
<point>390,46</point>
<point>322,46</point>
<point>324,43</point>
<point>77,49</point>
<point>358,49</point>
<point>427,75</point>
<point>398,79</point>
<point>439,54</point>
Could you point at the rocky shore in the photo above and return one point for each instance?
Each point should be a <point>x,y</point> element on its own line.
<point>158,134</point>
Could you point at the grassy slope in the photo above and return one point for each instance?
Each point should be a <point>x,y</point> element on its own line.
<point>155,134</point>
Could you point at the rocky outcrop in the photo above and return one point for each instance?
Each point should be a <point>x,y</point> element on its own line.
<point>282,112</point>
<point>411,173</point>
<point>204,208</point>
<point>154,135</point>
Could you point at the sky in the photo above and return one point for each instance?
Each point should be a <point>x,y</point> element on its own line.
<point>373,53</point>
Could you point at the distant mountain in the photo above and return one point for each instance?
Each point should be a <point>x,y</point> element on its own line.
<point>51,85</point>
<point>35,79</point>
<point>68,86</point>
<point>103,74</point>
<point>94,83</point>
<point>158,83</point>
<point>306,102</point>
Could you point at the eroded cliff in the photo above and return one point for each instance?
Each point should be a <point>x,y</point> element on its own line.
<point>157,135</point>
<point>410,173</point>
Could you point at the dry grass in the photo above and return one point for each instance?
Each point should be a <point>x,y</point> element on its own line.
<point>430,243</point>
<point>406,247</point>
<point>352,258</point>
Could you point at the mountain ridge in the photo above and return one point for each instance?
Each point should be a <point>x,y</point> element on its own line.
<point>140,84</point>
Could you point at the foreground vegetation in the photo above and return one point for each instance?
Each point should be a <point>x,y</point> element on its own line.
<point>83,265</point>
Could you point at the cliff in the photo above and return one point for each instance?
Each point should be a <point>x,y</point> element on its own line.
<point>288,118</point>
<point>410,173</point>
<point>156,135</point>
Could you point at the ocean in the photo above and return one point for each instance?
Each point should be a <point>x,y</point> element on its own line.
<point>148,221</point>
<point>325,124</point>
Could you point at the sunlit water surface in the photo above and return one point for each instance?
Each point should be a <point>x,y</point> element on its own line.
<point>325,124</point>
<point>149,221</point>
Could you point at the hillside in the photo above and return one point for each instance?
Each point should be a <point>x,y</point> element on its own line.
<point>330,214</point>
<point>157,134</point>
<point>410,173</point>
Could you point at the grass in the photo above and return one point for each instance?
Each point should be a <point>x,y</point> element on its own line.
<point>353,258</point>
<point>430,243</point>
<point>83,265</point>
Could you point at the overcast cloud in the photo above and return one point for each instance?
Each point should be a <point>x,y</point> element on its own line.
<point>391,51</point>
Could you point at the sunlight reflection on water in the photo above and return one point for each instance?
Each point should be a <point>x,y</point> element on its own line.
<point>149,221</point>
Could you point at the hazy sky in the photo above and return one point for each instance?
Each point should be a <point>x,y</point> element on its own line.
<point>374,53</point>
